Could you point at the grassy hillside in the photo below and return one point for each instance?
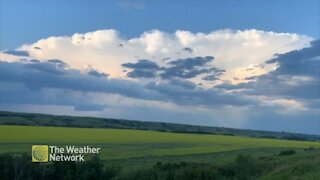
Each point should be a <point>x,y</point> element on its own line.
<point>30,119</point>
<point>120,143</point>
<point>299,165</point>
<point>302,165</point>
<point>133,154</point>
<point>136,154</point>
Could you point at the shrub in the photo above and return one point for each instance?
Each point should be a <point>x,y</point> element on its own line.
<point>286,152</point>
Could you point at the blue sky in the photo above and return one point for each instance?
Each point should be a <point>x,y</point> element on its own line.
<point>28,21</point>
<point>242,64</point>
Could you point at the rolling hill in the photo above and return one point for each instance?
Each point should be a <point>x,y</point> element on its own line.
<point>32,119</point>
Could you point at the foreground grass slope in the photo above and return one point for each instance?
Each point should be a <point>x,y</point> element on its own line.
<point>138,154</point>
<point>302,165</point>
<point>123,144</point>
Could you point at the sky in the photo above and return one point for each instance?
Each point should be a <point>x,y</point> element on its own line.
<point>241,64</point>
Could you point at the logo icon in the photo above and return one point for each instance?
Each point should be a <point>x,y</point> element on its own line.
<point>40,153</point>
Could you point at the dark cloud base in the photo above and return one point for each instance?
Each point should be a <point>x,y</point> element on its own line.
<point>180,68</point>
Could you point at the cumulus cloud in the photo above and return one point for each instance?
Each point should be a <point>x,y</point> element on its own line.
<point>225,75</point>
<point>179,68</point>
<point>107,50</point>
<point>215,73</point>
<point>297,77</point>
<point>17,93</point>
<point>304,62</point>
<point>142,69</point>
<point>210,78</point>
<point>16,52</point>
<point>187,68</point>
<point>187,49</point>
<point>37,76</point>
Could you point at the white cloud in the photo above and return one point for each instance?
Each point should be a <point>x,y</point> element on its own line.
<point>84,87</point>
<point>106,50</point>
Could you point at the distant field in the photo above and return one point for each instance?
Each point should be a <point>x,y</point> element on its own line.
<point>119,144</point>
<point>31,119</point>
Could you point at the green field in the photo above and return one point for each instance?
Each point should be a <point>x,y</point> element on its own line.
<point>123,144</point>
<point>139,150</point>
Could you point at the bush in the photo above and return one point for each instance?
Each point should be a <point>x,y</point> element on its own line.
<point>13,166</point>
<point>310,149</point>
<point>21,167</point>
<point>286,152</point>
<point>244,168</point>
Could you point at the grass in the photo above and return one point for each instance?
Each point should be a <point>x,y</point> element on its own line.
<point>141,149</point>
<point>301,166</point>
<point>124,144</point>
